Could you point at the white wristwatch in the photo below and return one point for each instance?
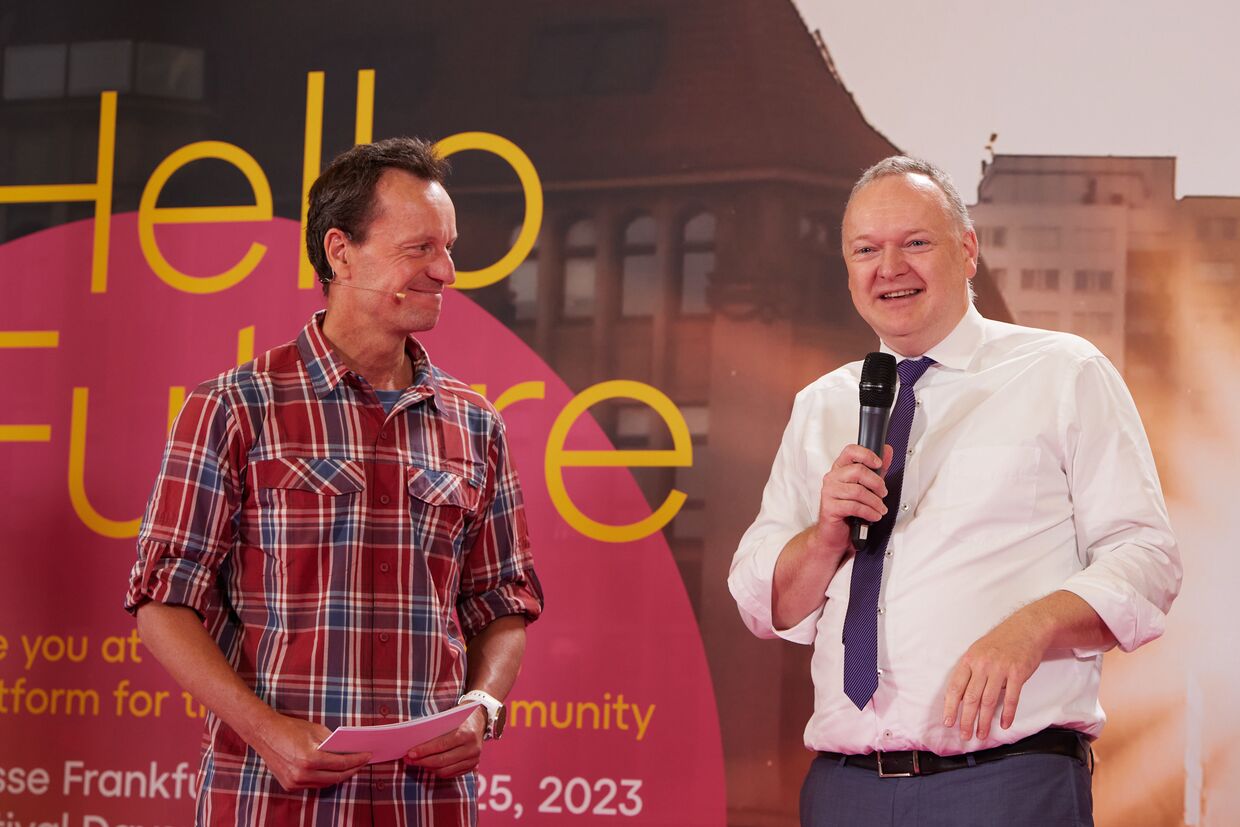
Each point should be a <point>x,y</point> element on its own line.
<point>497,713</point>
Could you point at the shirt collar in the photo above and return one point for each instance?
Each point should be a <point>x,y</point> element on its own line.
<point>957,349</point>
<point>327,370</point>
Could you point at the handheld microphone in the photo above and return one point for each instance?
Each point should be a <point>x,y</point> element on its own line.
<point>878,392</point>
<point>399,296</point>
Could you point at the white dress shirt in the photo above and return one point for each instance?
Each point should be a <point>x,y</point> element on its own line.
<point>1028,471</point>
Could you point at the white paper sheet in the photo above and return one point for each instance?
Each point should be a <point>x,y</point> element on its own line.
<point>391,741</point>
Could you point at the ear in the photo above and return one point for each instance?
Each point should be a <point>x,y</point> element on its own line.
<point>336,246</point>
<point>969,242</point>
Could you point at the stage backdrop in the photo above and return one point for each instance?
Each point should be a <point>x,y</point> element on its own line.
<point>649,198</point>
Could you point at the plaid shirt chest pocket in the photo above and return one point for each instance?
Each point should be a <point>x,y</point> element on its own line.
<point>306,504</point>
<point>442,506</point>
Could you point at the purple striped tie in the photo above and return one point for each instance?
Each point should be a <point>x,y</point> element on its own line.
<point>861,620</point>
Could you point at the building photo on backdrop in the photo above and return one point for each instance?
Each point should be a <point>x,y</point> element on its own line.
<point>649,198</point>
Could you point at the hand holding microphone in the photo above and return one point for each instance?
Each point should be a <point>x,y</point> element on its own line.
<point>878,392</point>
<point>853,489</point>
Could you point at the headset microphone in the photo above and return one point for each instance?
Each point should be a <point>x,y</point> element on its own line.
<point>400,296</point>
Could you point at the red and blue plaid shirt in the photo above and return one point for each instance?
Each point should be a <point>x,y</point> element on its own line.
<point>341,558</point>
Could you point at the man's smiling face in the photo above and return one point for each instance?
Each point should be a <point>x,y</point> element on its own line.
<point>909,261</point>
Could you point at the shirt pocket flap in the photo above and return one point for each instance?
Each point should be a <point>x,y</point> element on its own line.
<point>318,474</point>
<point>435,487</point>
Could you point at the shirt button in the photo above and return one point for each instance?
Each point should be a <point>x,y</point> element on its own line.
<point>886,553</point>
<point>380,785</point>
<point>904,506</point>
<point>385,499</point>
<point>385,434</point>
<point>383,710</point>
<point>384,567</point>
<point>910,452</point>
<point>880,610</point>
<point>880,673</point>
<point>886,733</point>
<point>383,637</point>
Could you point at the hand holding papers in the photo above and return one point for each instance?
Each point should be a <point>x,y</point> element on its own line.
<point>391,741</point>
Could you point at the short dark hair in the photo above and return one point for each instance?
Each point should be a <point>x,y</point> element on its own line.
<point>343,196</point>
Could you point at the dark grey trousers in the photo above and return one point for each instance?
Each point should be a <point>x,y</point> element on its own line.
<point>1021,791</point>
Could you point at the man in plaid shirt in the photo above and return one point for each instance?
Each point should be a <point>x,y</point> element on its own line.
<point>333,522</point>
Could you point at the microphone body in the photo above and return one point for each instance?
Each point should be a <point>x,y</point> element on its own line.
<point>878,392</point>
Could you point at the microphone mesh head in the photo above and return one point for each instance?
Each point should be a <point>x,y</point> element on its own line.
<point>878,380</point>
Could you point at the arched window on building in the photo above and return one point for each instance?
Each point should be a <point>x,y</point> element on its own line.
<point>580,253</point>
<point>523,283</point>
<point>639,268</point>
<point>697,263</point>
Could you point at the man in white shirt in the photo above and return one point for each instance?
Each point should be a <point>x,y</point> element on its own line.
<point>1030,535</point>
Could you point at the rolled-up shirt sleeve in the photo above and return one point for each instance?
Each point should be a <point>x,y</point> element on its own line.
<point>498,577</point>
<point>1132,569</point>
<point>784,514</point>
<point>190,521</point>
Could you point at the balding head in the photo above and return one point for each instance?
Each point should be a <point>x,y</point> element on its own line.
<point>905,165</point>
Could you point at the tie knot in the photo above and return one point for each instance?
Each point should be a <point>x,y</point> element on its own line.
<point>911,370</point>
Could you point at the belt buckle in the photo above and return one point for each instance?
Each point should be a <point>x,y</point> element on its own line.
<point>882,773</point>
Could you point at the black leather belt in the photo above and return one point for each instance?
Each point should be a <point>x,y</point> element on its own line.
<point>919,762</point>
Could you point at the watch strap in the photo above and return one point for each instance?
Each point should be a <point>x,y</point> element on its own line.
<point>491,704</point>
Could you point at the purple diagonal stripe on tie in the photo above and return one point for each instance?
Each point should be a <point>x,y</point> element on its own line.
<point>861,620</point>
